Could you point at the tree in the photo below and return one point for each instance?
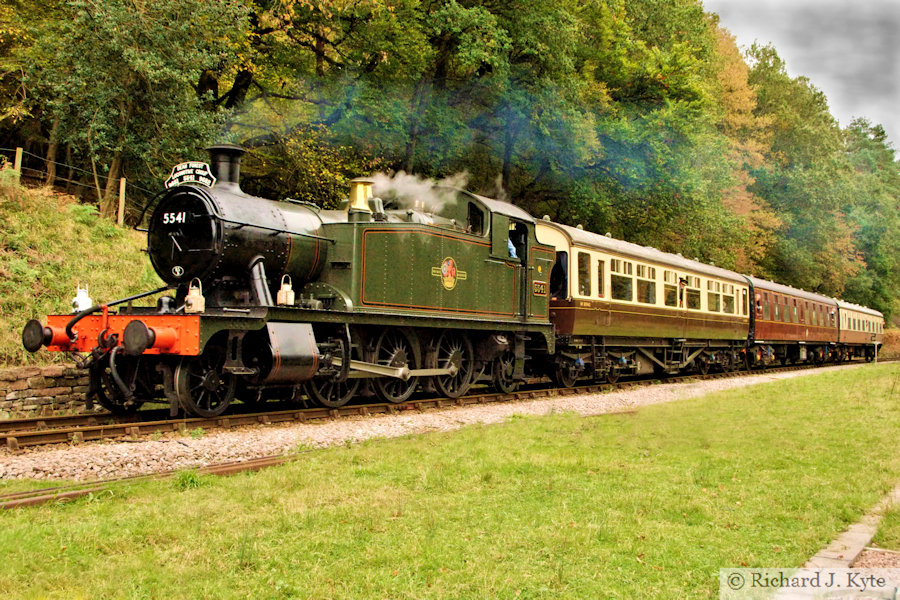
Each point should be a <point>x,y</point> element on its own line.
<point>805,178</point>
<point>875,215</point>
<point>117,77</point>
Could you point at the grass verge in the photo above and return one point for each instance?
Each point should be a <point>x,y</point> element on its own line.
<point>888,535</point>
<point>647,505</point>
<point>49,244</point>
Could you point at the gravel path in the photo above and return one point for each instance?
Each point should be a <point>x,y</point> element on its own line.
<point>877,559</point>
<point>120,459</point>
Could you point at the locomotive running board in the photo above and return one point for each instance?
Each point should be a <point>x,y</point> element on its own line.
<point>360,369</point>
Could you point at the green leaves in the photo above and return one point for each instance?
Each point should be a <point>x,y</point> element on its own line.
<point>636,117</point>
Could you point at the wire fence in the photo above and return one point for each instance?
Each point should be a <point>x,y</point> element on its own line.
<point>34,167</point>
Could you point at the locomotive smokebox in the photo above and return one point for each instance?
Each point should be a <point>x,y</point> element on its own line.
<point>225,163</point>
<point>232,241</point>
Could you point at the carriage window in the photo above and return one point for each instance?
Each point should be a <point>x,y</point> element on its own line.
<point>670,293</point>
<point>584,273</point>
<point>715,301</point>
<point>646,291</point>
<point>622,287</point>
<point>600,278</point>
<point>728,304</point>
<point>744,301</point>
<point>693,299</point>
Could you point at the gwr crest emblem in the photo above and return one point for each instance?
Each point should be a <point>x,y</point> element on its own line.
<point>448,273</point>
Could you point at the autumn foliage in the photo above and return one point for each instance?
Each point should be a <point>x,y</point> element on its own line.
<point>638,118</point>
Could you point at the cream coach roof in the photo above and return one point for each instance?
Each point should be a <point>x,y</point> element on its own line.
<point>860,309</point>
<point>651,255</point>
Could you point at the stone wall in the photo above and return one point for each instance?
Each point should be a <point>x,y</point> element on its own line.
<point>30,391</point>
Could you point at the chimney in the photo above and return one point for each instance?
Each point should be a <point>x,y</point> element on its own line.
<point>225,163</point>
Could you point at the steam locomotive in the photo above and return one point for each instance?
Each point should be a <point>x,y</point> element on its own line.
<point>394,295</point>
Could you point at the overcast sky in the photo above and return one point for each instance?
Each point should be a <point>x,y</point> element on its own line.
<point>849,49</point>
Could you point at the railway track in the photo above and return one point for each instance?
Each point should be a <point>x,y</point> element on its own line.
<point>73,491</point>
<point>65,493</point>
<point>75,429</point>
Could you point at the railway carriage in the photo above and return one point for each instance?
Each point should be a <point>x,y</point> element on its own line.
<point>861,330</point>
<point>791,325</point>
<point>622,308</point>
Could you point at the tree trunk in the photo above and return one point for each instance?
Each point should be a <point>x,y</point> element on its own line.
<point>51,152</point>
<point>320,54</point>
<point>111,194</point>
<point>508,147</point>
<point>417,108</point>
<point>70,175</point>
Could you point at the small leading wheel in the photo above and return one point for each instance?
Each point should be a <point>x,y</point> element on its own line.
<point>395,349</point>
<point>453,349</point>
<point>502,369</point>
<point>202,387</point>
<point>109,395</point>
<point>330,393</point>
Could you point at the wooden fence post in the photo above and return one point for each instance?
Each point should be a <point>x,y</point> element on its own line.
<point>121,218</point>
<point>17,165</point>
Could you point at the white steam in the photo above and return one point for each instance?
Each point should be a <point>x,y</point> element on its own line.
<point>404,190</point>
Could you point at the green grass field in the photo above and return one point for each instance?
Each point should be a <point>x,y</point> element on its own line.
<point>648,505</point>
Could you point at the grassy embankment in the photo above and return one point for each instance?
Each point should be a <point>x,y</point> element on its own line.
<point>648,505</point>
<point>49,244</point>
